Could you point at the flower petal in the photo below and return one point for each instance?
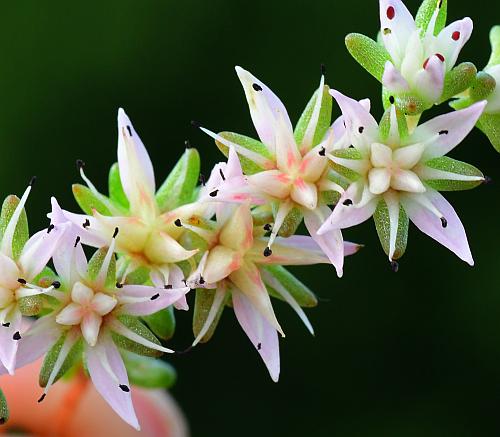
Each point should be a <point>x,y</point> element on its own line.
<point>71,314</point>
<point>379,180</point>
<point>305,194</point>
<point>265,107</point>
<point>9,341</point>
<point>272,182</point>
<point>452,236</point>
<point>166,298</point>
<point>261,333</point>
<point>393,80</point>
<point>452,38</point>
<point>429,81</point>
<point>163,249</point>
<point>237,232</point>
<point>9,273</point>
<point>90,326</point>
<point>287,152</point>
<point>220,263</point>
<point>406,180</point>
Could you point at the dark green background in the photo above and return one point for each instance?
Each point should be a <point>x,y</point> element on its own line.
<point>415,353</point>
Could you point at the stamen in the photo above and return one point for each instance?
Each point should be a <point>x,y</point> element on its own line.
<point>322,152</point>
<point>77,241</point>
<point>80,164</point>
<point>178,223</point>
<point>42,397</point>
<point>487,180</point>
<point>50,228</point>
<point>202,179</point>
<point>6,324</point>
<point>187,144</point>
<point>156,296</point>
<point>124,387</point>
<point>214,193</point>
<point>222,174</point>
<point>16,336</point>
<point>129,130</point>
<point>168,287</point>
<point>21,281</point>
<point>323,69</point>
<point>86,223</point>
<point>257,87</point>
<point>392,100</point>
<point>268,252</point>
<point>394,266</point>
<point>259,346</point>
<point>116,232</point>
<point>202,280</point>
<point>195,123</point>
<point>455,35</point>
<point>387,31</point>
<point>391,12</point>
<point>32,181</point>
<point>444,222</point>
<point>56,284</point>
<point>119,285</point>
<point>361,129</point>
<point>347,202</point>
<point>268,227</point>
<point>440,3</point>
<point>443,132</point>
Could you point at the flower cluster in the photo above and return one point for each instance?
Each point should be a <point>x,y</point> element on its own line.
<point>228,239</point>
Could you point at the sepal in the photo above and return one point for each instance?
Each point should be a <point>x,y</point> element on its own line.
<point>115,187</point>
<point>484,84</point>
<point>135,325</point>
<point>495,46</point>
<point>179,186</point>
<point>95,264</point>
<point>383,226</point>
<point>162,323</point>
<point>203,302</point>
<point>21,234</point>
<point>148,372</point>
<point>449,165</point>
<point>369,54</point>
<point>30,305</point>
<point>425,13</point>
<point>458,80</point>
<point>89,201</point>
<point>4,409</point>
<point>490,126</point>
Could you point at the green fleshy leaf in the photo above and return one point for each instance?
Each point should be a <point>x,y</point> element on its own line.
<point>73,357</point>
<point>135,325</point>
<point>95,264</point>
<point>445,163</point>
<point>248,166</point>
<point>383,226</point>
<point>178,188</point>
<point>370,55</point>
<point>116,193</point>
<point>425,13</point>
<point>349,153</point>
<point>490,126</point>
<point>88,201</point>
<point>482,87</point>
<point>409,104</point>
<point>30,305</point>
<point>291,223</point>
<point>4,409</point>
<point>21,234</point>
<point>458,80</point>
<point>202,304</point>
<point>495,46</point>
<point>324,120</point>
<point>162,323</point>
<point>299,291</point>
<point>148,372</point>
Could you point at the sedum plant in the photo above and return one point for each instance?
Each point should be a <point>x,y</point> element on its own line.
<point>96,292</point>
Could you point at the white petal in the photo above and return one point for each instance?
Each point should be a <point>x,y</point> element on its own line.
<point>379,180</point>
<point>71,314</point>
<point>409,156</point>
<point>406,180</point>
<point>305,194</point>
<point>103,304</point>
<point>452,38</point>
<point>381,155</point>
<point>90,326</point>
<point>429,81</point>
<point>81,294</point>
<point>393,80</point>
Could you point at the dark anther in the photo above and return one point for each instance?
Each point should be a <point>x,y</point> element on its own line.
<point>202,180</point>
<point>86,223</point>
<point>323,69</point>
<point>50,228</point>
<point>80,164</point>
<point>351,147</point>
<point>6,324</point>
<point>16,336</point>
<point>222,174</point>
<point>77,241</point>
<point>214,193</point>
<point>21,281</point>
<point>168,286</point>
<point>195,123</point>
<point>268,252</point>
<point>129,130</point>
<point>124,387</point>
<point>156,296</point>
<point>116,232</point>
<point>202,280</point>
<point>257,87</point>
<point>32,181</point>
<point>443,132</point>
<point>187,144</point>
<point>347,202</point>
<point>2,420</point>
<point>119,285</point>
<point>56,284</point>
<point>185,282</point>
<point>42,398</point>
<point>322,152</point>
<point>394,266</point>
<point>440,4</point>
<point>259,346</point>
<point>361,129</point>
<point>392,100</point>
<point>487,180</point>
<point>387,31</point>
<point>444,222</point>
<point>178,223</point>
<point>268,228</point>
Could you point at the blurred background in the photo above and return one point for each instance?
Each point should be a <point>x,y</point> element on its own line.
<point>415,353</point>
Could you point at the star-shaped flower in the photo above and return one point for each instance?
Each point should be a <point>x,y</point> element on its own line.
<point>396,176</point>
<point>93,313</point>
<point>288,168</point>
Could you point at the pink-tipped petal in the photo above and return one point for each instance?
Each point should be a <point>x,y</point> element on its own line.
<point>220,263</point>
<point>452,38</point>
<point>429,81</point>
<point>237,232</point>
<point>305,194</point>
<point>110,379</point>
<point>450,232</point>
<point>287,152</point>
<point>272,182</point>
<point>261,333</point>
<point>9,273</point>
<point>9,341</point>
<point>445,132</point>
<point>393,80</point>
<point>153,304</point>
<point>163,249</point>
<point>265,107</point>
